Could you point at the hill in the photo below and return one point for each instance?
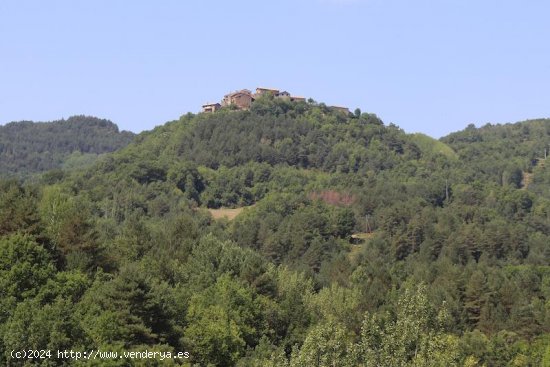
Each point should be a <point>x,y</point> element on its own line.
<point>29,147</point>
<point>454,269</point>
<point>501,152</point>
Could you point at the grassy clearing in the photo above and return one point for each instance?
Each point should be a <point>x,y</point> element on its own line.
<point>362,235</point>
<point>230,214</point>
<point>430,145</point>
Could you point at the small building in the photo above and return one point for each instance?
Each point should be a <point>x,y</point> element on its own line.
<point>283,94</point>
<point>242,99</point>
<point>297,99</point>
<point>261,91</point>
<point>211,107</point>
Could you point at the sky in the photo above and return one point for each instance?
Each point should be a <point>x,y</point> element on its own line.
<point>427,66</point>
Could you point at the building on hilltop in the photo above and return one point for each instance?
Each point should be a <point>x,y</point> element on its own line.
<point>287,96</point>
<point>278,94</point>
<point>261,91</point>
<point>242,99</point>
<point>283,94</point>
<point>211,107</point>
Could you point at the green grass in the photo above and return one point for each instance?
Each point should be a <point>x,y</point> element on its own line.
<point>429,145</point>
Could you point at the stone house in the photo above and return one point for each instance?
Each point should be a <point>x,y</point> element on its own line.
<point>242,99</point>
<point>211,107</point>
<point>261,91</point>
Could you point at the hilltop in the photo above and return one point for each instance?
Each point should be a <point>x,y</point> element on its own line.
<point>28,147</point>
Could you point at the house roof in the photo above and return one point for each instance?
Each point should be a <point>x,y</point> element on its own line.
<point>269,89</point>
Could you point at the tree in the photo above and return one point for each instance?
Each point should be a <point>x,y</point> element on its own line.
<point>24,267</point>
<point>475,297</point>
<point>129,309</point>
<point>414,337</point>
<point>18,209</point>
<point>67,223</point>
<point>222,321</point>
<point>325,346</point>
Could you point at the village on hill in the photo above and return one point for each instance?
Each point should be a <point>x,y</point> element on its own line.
<point>243,99</point>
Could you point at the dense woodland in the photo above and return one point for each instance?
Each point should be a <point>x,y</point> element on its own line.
<point>30,147</point>
<point>360,245</point>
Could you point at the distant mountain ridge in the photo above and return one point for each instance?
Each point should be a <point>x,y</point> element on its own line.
<point>28,147</point>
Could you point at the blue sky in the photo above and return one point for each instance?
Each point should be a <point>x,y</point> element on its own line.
<point>427,66</point>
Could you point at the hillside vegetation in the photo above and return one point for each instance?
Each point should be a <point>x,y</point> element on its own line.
<point>126,256</point>
<point>29,147</point>
<point>430,145</point>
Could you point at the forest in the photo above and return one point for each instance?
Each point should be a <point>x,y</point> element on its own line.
<point>357,244</point>
<point>27,147</point>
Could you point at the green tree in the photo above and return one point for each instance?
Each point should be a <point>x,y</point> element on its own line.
<point>414,337</point>
<point>221,322</point>
<point>24,267</point>
<point>325,346</point>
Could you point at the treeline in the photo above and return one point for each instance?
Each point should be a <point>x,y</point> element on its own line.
<point>448,264</point>
<point>501,152</point>
<point>28,147</point>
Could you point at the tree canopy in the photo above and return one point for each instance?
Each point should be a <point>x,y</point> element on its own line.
<point>28,147</point>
